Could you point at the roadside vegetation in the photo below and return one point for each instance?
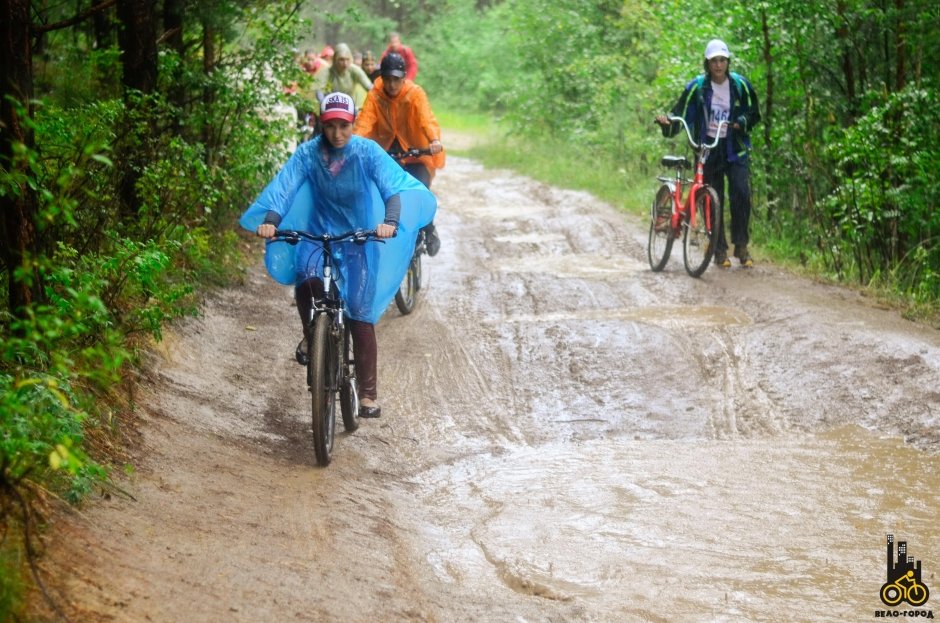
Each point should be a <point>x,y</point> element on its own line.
<point>129,145</point>
<point>133,133</point>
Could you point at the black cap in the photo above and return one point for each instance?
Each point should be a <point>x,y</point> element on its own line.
<point>392,65</point>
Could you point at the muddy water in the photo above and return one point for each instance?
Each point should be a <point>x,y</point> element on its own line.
<point>668,448</point>
<point>790,529</point>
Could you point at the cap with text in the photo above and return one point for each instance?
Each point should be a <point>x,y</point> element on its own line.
<point>337,106</point>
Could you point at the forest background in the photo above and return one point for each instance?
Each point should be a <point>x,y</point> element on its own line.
<point>134,132</point>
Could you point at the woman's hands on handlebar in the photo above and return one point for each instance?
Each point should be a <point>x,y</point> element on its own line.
<point>267,230</point>
<point>385,231</point>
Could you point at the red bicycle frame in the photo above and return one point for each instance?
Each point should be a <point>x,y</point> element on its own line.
<point>701,154</point>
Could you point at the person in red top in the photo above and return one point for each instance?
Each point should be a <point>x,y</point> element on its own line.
<point>411,61</point>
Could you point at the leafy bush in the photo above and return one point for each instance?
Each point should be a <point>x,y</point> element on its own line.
<point>882,208</point>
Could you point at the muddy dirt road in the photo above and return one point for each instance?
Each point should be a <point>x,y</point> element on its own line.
<point>566,436</point>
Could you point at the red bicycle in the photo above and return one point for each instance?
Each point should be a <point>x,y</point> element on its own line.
<point>697,218</point>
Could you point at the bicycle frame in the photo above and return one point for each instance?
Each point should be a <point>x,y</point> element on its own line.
<point>330,362</point>
<point>697,183</point>
<point>331,302</point>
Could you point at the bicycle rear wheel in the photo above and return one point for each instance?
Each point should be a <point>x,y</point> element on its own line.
<point>661,238</point>
<point>701,240</point>
<point>407,296</point>
<point>349,389</point>
<point>322,360</point>
<point>416,265</point>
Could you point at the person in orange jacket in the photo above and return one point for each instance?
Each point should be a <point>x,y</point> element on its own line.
<point>397,115</point>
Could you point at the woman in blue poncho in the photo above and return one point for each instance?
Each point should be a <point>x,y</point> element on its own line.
<point>335,183</point>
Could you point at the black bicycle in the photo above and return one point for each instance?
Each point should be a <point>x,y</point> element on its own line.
<point>407,296</point>
<point>331,369</point>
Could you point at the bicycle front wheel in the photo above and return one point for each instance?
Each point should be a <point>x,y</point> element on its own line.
<point>407,295</point>
<point>661,237</point>
<point>349,389</point>
<point>702,237</point>
<point>321,364</point>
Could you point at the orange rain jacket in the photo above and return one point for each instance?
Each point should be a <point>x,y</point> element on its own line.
<point>407,117</point>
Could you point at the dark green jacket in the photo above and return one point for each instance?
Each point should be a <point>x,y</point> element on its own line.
<point>696,101</point>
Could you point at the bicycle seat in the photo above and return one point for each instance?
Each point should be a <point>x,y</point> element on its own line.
<point>675,162</point>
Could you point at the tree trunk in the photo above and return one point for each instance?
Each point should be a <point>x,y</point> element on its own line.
<point>900,45</point>
<point>138,42</point>
<point>769,87</point>
<point>848,71</point>
<point>104,34</point>
<point>18,223</point>
<point>173,26</point>
<point>208,95</point>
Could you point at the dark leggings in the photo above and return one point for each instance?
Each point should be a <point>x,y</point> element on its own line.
<point>421,173</point>
<point>717,168</point>
<point>365,346</point>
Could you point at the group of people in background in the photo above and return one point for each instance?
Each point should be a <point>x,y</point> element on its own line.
<point>364,112</point>
<point>339,68</point>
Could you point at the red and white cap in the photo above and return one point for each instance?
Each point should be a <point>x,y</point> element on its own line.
<point>337,106</point>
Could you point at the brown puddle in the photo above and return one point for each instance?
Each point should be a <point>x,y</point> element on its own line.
<point>760,529</point>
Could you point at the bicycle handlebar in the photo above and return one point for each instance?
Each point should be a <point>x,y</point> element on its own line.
<point>414,152</point>
<point>359,236</point>
<point>688,133</point>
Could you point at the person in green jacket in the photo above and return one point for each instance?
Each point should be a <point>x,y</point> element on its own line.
<point>342,76</point>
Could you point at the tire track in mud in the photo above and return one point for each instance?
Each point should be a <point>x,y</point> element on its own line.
<point>745,409</point>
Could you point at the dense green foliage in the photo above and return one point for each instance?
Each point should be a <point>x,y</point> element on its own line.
<point>110,276</point>
<point>845,160</point>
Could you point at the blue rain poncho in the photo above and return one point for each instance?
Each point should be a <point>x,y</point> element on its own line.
<point>348,194</point>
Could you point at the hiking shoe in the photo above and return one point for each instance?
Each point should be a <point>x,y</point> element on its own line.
<point>369,409</point>
<point>431,242</point>
<point>721,259</point>
<point>301,353</point>
<point>741,253</point>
